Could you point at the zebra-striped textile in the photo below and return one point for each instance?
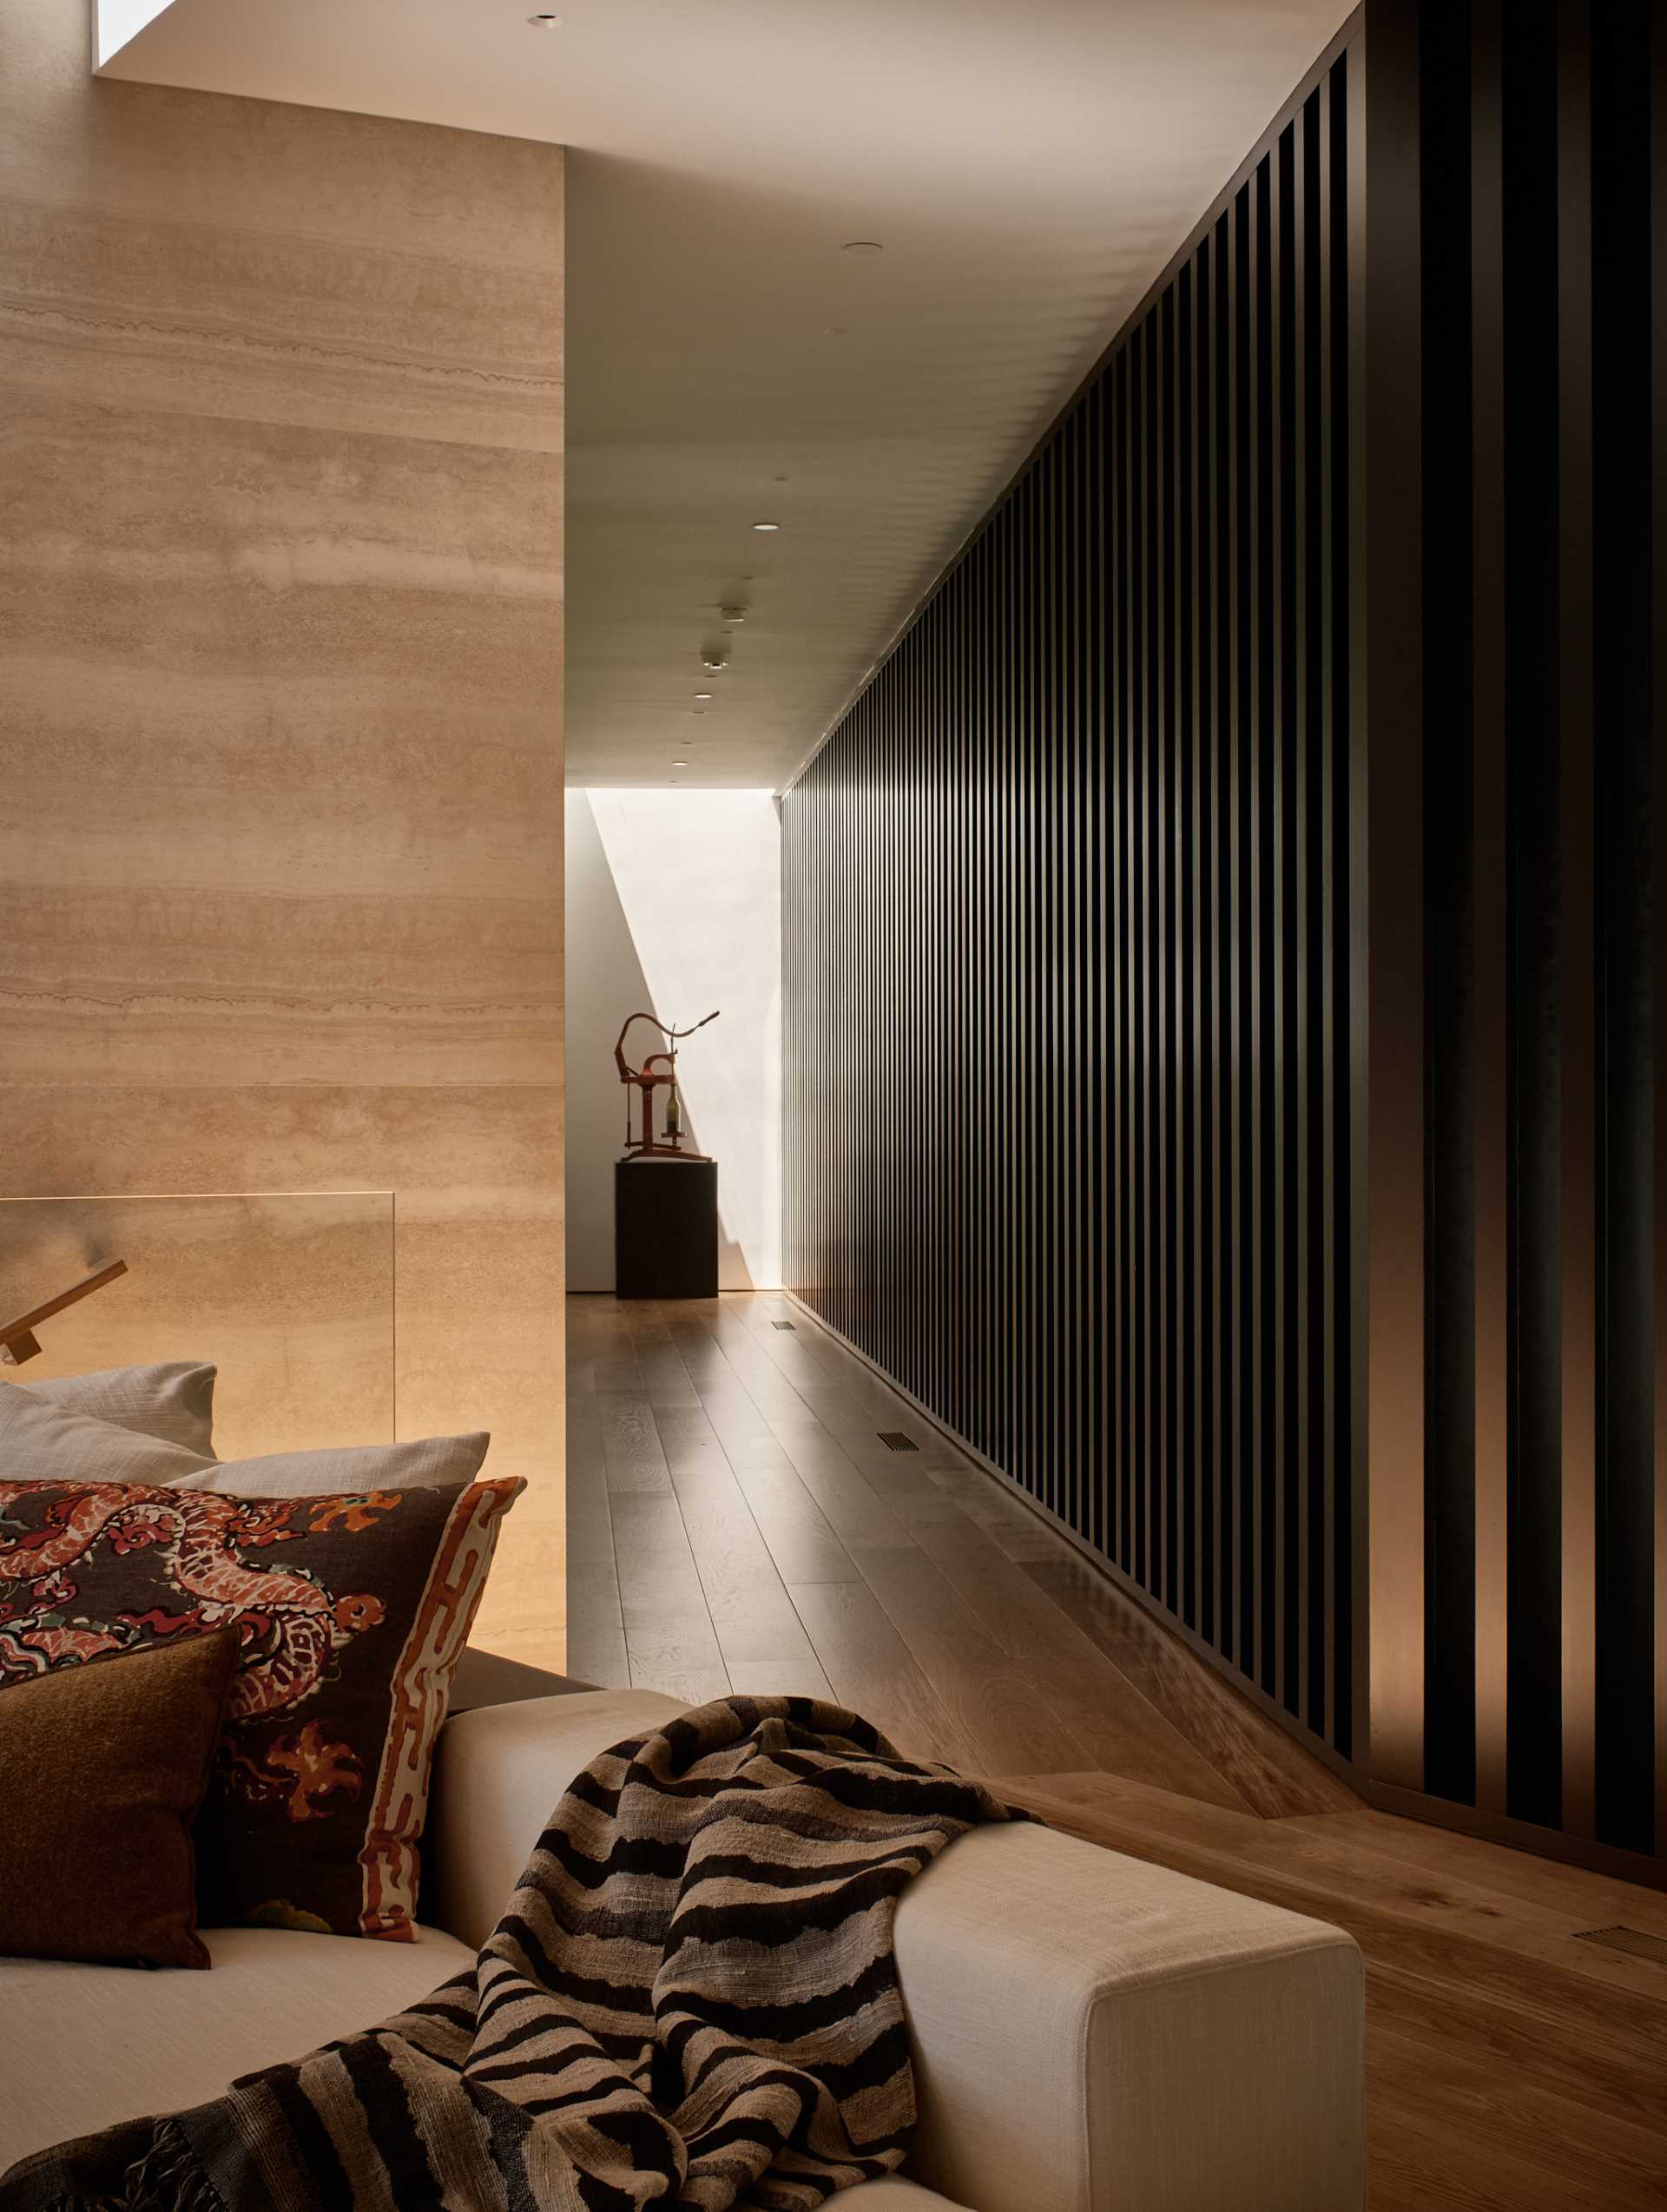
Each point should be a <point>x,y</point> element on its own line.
<point>691,2001</point>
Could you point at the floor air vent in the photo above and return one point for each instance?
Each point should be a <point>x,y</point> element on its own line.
<point>894,1441</point>
<point>1629,1939</point>
<point>781,1324</point>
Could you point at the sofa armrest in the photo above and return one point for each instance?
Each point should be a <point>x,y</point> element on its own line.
<point>1105,2036</point>
<point>498,1772</point>
<point>1090,2033</point>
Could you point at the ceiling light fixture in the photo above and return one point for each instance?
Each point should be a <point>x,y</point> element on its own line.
<point>680,764</point>
<point>702,695</point>
<point>862,246</point>
<point>731,615</point>
<point>545,23</point>
<point>767,525</point>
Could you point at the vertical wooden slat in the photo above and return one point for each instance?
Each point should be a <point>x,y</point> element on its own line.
<point>1576,956</point>
<point>1392,1326</point>
<point>1489,972</point>
<point>1534,685</point>
<point>1626,460</point>
<point>1305,660</point>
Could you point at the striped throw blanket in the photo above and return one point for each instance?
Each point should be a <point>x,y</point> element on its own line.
<point>691,2001</point>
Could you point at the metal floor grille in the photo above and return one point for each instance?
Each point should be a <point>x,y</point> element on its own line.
<point>1633,1940</point>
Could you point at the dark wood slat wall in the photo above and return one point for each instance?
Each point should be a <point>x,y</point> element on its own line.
<point>1187,1183</point>
<point>1519,1590</point>
<point>1068,1005</point>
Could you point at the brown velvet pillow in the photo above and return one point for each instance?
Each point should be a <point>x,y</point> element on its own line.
<point>352,1611</point>
<point>101,1769</point>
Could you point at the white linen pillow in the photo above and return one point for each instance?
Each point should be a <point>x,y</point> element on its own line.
<point>424,1464</point>
<point>175,1400</point>
<point>42,1442</point>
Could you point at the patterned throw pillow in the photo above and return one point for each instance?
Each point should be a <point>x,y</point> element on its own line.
<point>351,1610</point>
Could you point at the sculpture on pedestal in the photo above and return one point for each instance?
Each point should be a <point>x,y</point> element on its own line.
<point>657,1072</point>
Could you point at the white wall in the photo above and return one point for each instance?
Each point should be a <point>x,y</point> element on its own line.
<point>674,905</point>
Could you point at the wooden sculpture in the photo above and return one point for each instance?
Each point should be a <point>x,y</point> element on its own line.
<point>18,1341</point>
<point>658,1072</point>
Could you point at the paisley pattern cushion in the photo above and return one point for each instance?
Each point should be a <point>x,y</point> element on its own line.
<point>352,1611</point>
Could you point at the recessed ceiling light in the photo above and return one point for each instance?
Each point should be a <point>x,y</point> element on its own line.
<point>680,764</point>
<point>545,23</point>
<point>702,695</point>
<point>862,246</point>
<point>767,525</point>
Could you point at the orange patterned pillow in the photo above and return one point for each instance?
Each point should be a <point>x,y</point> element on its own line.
<point>351,1612</point>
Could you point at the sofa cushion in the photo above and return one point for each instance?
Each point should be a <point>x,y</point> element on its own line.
<point>101,1771</point>
<point>352,1611</point>
<point>104,2045</point>
<point>175,1401</point>
<point>86,2046</point>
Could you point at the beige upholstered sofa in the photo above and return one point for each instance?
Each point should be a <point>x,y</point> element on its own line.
<point>1092,2034</point>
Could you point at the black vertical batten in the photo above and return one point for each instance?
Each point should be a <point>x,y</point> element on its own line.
<point>1534,1766</point>
<point>1449,1246</point>
<point>1627,458</point>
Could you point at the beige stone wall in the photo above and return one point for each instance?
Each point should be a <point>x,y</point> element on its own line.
<point>280,680</point>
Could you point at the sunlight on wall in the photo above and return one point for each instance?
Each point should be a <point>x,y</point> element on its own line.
<point>698,878</point>
<point>116,21</point>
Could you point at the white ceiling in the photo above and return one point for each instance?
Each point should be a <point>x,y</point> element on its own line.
<point>1028,169</point>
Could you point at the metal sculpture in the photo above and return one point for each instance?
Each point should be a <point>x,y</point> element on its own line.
<point>658,1072</point>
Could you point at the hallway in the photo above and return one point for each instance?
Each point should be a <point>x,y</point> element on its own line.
<point>737,1524</point>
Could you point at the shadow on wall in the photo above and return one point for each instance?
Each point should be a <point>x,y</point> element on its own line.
<point>674,907</point>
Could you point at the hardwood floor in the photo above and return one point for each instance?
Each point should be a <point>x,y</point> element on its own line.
<point>734,1522</point>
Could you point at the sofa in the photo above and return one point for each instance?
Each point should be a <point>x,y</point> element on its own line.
<point>1091,2033</point>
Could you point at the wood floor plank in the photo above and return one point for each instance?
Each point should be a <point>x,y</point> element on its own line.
<point>595,1623</point>
<point>775,1678</point>
<point>669,1638</point>
<point>802,1543</point>
<point>854,1509</point>
<point>1473,2136</point>
<point>994,1703</point>
<point>630,1443</point>
<point>665,1378</point>
<point>1443,1855</point>
<point>870,1668</point>
<point>754,1616</point>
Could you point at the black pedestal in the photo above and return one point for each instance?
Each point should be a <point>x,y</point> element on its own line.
<point>666,1228</point>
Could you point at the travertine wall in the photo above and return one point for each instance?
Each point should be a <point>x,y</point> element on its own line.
<point>281,669</point>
